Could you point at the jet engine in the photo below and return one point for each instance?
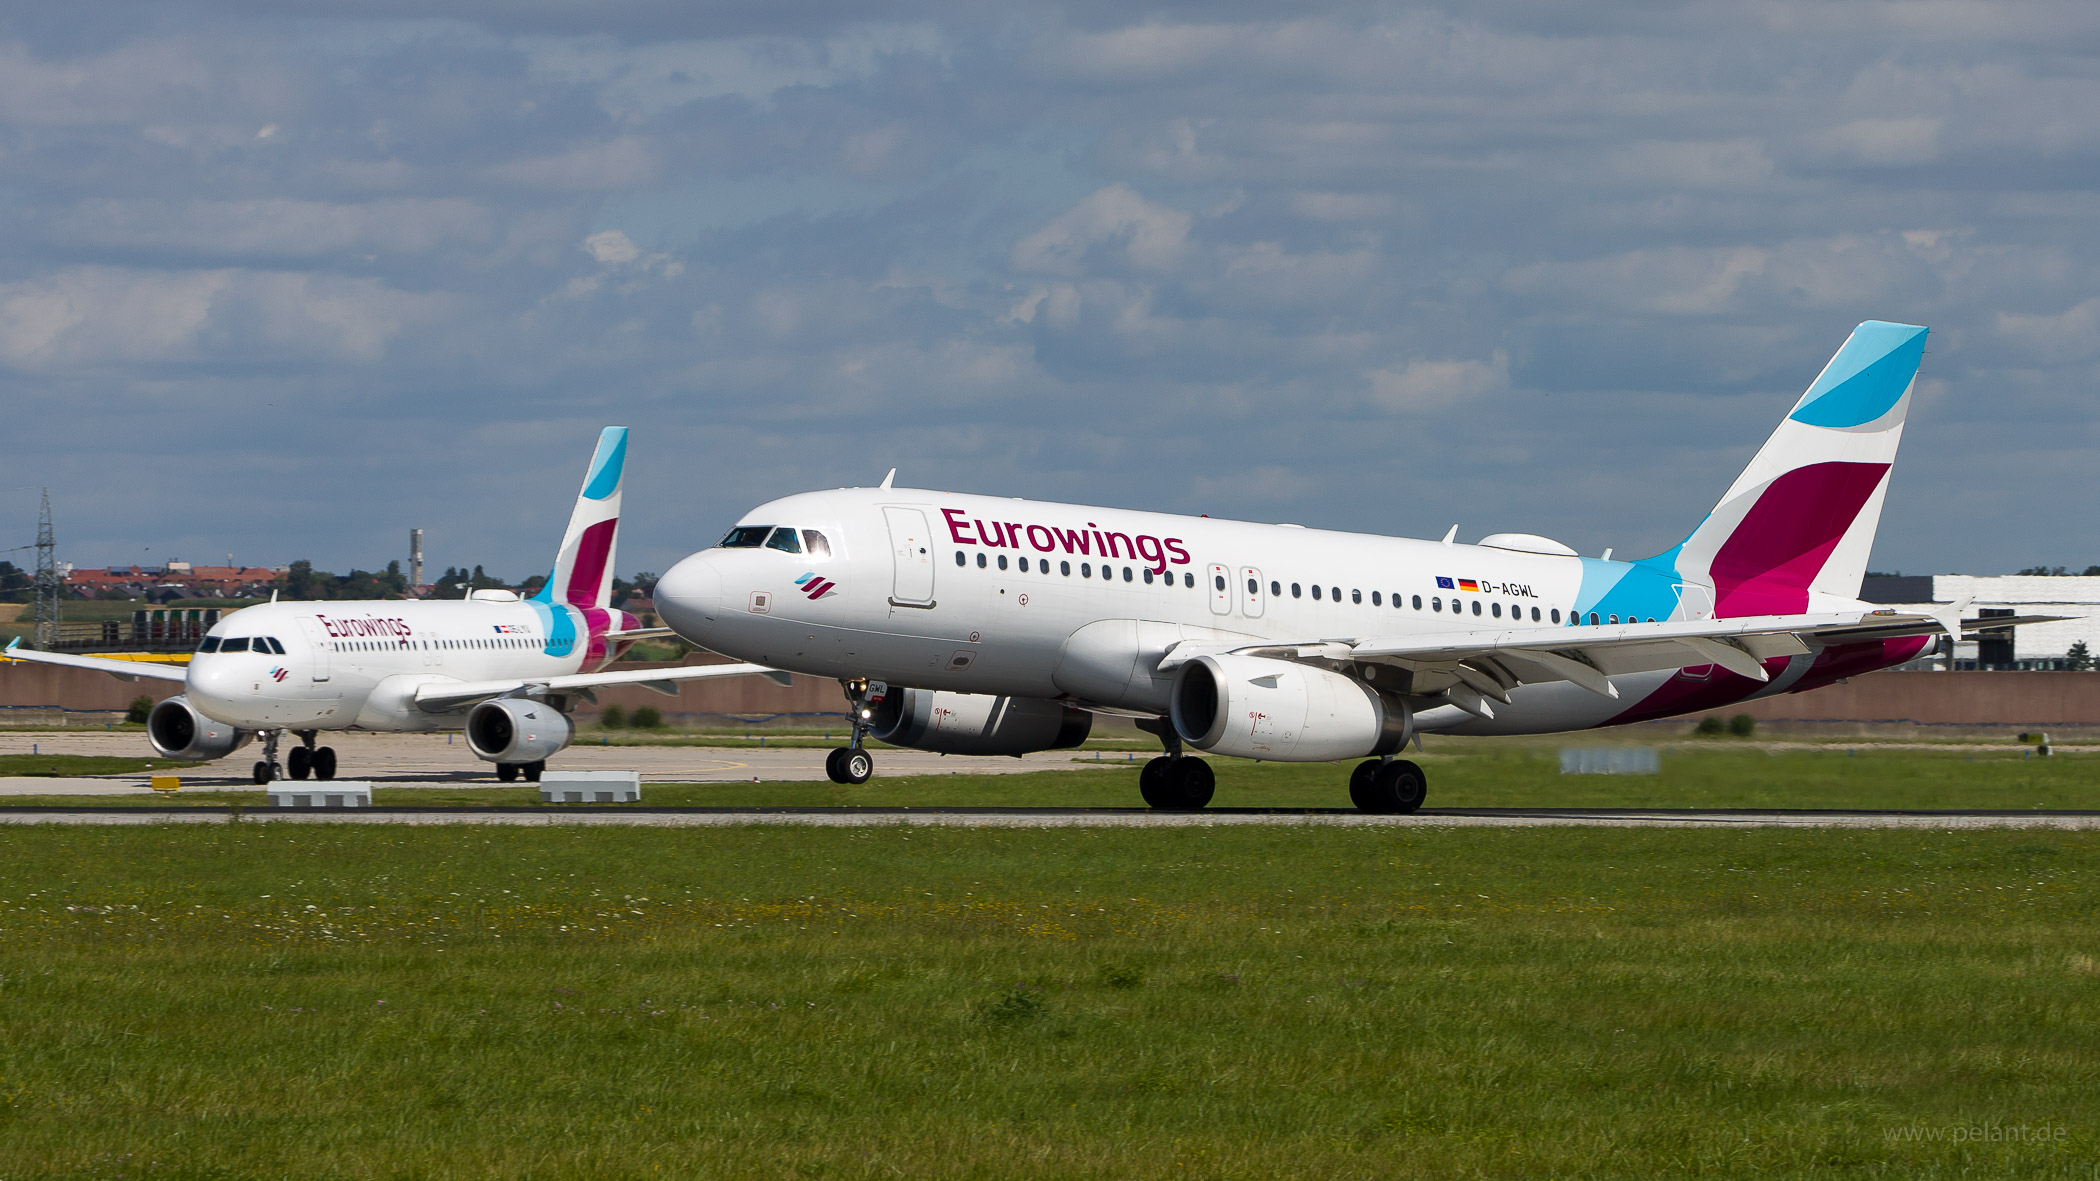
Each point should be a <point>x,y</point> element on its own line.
<point>977,723</point>
<point>1256,707</point>
<point>178,731</point>
<point>517,730</point>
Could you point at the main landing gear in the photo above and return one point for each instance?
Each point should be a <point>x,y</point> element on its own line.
<point>1174,782</point>
<point>303,760</point>
<point>851,764</point>
<point>1387,785</point>
<point>509,772</point>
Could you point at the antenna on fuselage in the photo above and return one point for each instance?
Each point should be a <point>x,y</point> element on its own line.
<point>1451,536</point>
<point>886,479</point>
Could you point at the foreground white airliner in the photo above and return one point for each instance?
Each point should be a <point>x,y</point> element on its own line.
<point>502,668</point>
<point>977,625</point>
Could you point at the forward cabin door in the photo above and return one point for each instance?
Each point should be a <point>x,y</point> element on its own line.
<point>911,544</point>
<point>317,645</point>
<point>1220,590</point>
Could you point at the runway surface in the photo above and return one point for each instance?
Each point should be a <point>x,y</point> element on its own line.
<point>428,760</point>
<point>823,817</point>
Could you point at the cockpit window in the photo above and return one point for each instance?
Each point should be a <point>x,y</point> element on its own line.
<point>816,543</point>
<point>235,644</point>
<point>274,645</point>
<point>210,644</point>
<point>784,540</point>
<point>746,537</point>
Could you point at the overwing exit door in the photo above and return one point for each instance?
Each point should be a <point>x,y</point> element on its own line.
<point>911,546</point>
<point>1220,590</point>
<point>1250,592</point>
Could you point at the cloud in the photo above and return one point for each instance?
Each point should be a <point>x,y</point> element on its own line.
<point>1423,385</point>
<point>1148,235</point>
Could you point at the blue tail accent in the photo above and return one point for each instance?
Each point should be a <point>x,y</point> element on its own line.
<point>1867,377</point>
<point>607,464</point>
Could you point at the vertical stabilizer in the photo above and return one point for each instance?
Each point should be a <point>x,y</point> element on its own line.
<point>1800,520</point>
<point>583,570</point>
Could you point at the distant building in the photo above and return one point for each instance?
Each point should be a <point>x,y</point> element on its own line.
<point>2033,646</point>
<point>183,578</point>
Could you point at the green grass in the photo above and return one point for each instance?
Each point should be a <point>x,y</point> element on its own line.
<point>319,1002</point>
<point>1485,776</point>
<point>44,766</point>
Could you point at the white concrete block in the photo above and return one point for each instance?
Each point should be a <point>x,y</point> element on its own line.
<point>324,793</point>
<point>590,787</point>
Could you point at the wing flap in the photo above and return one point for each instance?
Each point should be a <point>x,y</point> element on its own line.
<point>443,697</point>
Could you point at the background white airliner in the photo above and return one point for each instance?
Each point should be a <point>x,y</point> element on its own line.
<point>976,625</point>
<point>501,668</point>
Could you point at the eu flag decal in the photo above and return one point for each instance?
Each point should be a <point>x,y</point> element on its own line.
<point>1444,584</point>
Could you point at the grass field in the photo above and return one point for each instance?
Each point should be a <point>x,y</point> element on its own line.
<point>1719,775</point>
<point>318,1002</point>
<point>54,766</point>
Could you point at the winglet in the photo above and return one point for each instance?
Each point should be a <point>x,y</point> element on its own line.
<point>886,479</point>
<point>1948,617</point>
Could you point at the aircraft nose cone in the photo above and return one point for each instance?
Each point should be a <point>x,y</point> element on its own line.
<point>689,597</point>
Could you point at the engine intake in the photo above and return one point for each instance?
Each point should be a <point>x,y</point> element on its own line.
<point>517,730</point>
<point>977,723</point>
<point>1256,707</point>
<point>178,731</point>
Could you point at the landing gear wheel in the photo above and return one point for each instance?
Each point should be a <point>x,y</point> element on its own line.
<point>1396,787</point>
<point>262,773</point>
<point>324,762</point>
<point>299,763</point>
<point>1361,791</point>
<point>507,772</point>
<point>849,765</point>
<point>532,770</point>
<point>1152,780</point>
<point>1183,785</point>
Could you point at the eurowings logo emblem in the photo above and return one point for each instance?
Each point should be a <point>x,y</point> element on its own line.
<point>279,673</point>
<point>815,587</point>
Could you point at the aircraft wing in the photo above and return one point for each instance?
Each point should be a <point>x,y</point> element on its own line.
<point>1471,667</point>
<point>125,670</point>
<point>443,696</point>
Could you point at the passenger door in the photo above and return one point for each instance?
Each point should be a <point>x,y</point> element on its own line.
<point>317,647</point>
<point>911,545</point>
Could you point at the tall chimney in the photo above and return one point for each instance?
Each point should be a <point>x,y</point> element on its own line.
<point>415,558</point>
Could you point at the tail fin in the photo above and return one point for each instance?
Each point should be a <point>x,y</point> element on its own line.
<point>583,570</point>
<point>1801,518</point>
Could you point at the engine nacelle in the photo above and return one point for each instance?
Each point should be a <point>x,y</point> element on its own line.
<point>178,731</point>
<point>977,723</point>
<point>1258,708</point>
<point>517,730</point>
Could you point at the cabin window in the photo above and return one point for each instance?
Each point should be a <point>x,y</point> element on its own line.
<point>1148,576</point>
<point>1275,588</point>
<point>980,561</point>
<point>1316,590</point>
<point>236,644</point>
<point>1128,576</point>
<point>1220,582</point>
<point>1023,563</point>
<point>1611,619</point>
<point>1065,568</point>
<point>1556,615</point>
<point>210,644</point>
<point>1476,607</point>
<point>785,541</point>
<point>1188,580</point>
<point>1336,592</point>
<point>816,543</point>
<point>1418,602</point>
<point>1498,609</point>
<point>1086,569</point>
<point>1002,561</point>
<point>1436,604</point>
<point>1375,601</point>
<point>1296,591</point>
<point>275,646</point>
<point>960,560</point>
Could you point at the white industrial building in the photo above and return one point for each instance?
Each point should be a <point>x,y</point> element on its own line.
<point>2031,646</point>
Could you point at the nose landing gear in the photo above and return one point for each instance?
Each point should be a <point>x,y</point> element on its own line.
<point>851,764</point>
<point>1174,782</point>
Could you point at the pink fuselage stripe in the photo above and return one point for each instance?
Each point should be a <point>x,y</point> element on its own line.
<point>1767,563</point>
<point>589,571</point>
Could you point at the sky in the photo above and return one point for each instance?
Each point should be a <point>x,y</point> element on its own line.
<point>283,279</point>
